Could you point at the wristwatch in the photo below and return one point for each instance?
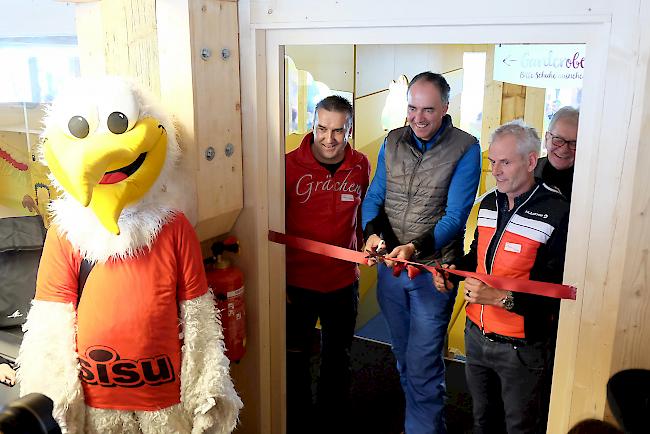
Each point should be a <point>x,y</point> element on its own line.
<point>508,301</point>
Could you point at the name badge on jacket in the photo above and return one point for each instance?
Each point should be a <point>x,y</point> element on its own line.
<point>512,247</point>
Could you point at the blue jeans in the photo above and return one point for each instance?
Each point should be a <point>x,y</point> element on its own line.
<point>510,384</point>
<point>417,315</point>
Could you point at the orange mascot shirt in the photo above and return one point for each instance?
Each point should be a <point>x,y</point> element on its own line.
<point>128,318</point>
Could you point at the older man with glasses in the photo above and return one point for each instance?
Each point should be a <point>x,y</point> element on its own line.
<point>556,169</point>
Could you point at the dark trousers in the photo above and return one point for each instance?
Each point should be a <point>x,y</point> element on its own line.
<point>337,311</point>
<point>509,384</point>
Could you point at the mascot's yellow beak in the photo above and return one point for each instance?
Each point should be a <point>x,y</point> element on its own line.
<point>108,171</point>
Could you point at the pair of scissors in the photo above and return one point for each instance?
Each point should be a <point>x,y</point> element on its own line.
<point>379,252</point>
<point>444,278</point>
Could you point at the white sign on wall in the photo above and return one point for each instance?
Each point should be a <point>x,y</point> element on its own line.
<point>546,66</point>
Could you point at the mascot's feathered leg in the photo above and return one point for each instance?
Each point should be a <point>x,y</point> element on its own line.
<point>101,421</point>
<point>207,392</point>
<point>49,346</point>
<point>170,420</point>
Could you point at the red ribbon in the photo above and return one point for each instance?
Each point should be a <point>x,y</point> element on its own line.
<point>546,289</point>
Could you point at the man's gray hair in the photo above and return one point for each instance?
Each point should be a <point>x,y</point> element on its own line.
<point>527,138</point>
<point>335,103</point>
<point>567,114</point>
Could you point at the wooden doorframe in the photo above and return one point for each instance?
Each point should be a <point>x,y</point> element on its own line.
<point>592,30</point>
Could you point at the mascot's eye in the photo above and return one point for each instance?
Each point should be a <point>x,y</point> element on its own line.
<point>117,123</point>
<point>118,109</point>
<point>78,127</point>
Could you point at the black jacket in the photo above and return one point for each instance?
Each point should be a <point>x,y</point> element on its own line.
<point>545,205</point>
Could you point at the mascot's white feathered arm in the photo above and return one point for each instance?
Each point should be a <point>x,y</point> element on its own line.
<point>48,362</point>
<point>47,359</point>
<point>207,391</point>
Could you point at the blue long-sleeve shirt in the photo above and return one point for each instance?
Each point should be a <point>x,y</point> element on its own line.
<point>460,197</point>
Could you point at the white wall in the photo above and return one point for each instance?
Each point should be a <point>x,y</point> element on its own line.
<point>36,18</point>
<point>330,64</point>
<point>378,64</point>
<point>377,13</point>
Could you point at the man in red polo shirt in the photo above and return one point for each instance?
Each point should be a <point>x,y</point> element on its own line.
<point>326,181</point>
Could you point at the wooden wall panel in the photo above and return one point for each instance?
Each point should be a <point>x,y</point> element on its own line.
<point>256,377</point>
<point>627,299</point>
<point>492,98</point>
<point>534,108</point>
<point>204,93</point>
<point>513,102</point>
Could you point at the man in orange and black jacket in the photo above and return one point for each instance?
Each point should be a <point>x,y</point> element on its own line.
<point>510,337</point>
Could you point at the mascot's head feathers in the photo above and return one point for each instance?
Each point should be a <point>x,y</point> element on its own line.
<point>113,155</point>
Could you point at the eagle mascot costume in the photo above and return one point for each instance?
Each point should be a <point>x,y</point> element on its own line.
<point>123,334</point>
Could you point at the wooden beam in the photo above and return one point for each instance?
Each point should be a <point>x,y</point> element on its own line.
<point>90,38</point>
<point>492,97</point>
<point>534,108</point>
<point>119,37</point>
<point>606,329</point>
<point>513,102</point>
<point>491,100</point>
<point>199,74</point>
<point>632,342</point>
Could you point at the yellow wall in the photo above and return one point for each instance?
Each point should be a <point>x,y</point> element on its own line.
<point>15,182</point>
<point>293,141</point>
<point>24,187</point>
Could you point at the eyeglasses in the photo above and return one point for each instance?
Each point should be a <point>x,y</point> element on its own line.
<point>558,141</point>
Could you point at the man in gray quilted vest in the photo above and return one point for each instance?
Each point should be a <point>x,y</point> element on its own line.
<point>419,199</point>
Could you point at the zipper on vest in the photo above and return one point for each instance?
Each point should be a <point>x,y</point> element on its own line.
<point>496,248</point>
<point>496,201</point>
<point>334,193</point>
<point>408,193</point>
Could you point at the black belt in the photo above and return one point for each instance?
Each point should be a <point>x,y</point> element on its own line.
<point>494,337</point>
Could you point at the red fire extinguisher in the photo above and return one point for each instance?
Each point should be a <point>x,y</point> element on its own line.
<point>227,284</point>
